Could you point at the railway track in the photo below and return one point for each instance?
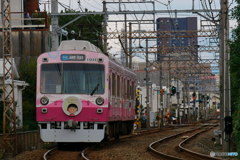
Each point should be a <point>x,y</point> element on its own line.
<point>134,135</point>
<point>180,147</point>
<point>192,153</point>
<point>45,155</point>
<point>83,152</point>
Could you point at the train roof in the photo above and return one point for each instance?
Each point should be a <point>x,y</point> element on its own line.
<point>78,45</point>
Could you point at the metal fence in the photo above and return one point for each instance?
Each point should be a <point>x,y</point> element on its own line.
<point>28,141</point>
<point>24,21</point>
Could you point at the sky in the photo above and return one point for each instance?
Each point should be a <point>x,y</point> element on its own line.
<point>96,5</point>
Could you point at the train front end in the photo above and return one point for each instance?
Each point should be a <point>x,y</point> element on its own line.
<point>72,104</point>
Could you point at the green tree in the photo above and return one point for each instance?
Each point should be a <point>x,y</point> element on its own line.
<point>27,73</point>
<point>234,47</point>
<point>86,28</point>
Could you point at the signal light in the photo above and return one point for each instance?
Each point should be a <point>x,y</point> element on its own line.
<point>173,90</point>
<point>228,124</point>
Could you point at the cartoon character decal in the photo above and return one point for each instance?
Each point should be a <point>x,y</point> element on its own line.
<point>72,106</point>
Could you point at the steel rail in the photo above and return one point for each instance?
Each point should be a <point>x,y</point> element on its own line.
<point>169,137</point>
<point>192,153</point>
<point>84,157</point>
<point>45,155</point>
<point>138,134</point>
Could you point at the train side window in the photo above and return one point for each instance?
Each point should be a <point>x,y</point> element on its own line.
<point>113,85</point>
<point>123,88</point>
<point>128,89</point>
<point>132,95</point>
<point>118,86</point>
<point>109,84</point>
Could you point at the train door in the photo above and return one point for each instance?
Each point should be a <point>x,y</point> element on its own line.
<point>110,95</point>
<point>123,97</point>
<point>128,97</point>
<point>114,103</point>
<point>118,95</point>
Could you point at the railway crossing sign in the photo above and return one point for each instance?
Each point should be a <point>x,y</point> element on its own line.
<point>162,91</point>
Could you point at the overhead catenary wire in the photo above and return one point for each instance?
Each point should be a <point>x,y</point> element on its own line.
<point>91,5</point>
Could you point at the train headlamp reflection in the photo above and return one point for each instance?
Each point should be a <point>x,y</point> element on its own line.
<point>44,100</point>
<point>99,101</point>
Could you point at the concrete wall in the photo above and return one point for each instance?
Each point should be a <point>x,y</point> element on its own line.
<point>27,44</point>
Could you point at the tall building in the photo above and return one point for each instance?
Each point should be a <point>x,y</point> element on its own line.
<point>179,24</point>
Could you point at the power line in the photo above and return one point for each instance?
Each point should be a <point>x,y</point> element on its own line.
<point>91,5</point>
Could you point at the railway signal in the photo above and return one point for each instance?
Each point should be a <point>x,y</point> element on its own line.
<point>194,96</point>
<point>228,125</point>
<point>173,90</point>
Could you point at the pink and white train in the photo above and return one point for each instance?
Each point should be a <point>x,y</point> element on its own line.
<point>83,95</point>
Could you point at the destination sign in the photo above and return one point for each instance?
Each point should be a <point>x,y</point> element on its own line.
<point>73,57</point>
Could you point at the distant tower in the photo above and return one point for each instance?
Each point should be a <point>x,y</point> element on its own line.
<point>135,62</point>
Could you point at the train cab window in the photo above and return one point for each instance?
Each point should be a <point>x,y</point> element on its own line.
<point>128,89</point>
<point>72,78</point>
<point>51,78</point>
<point>118,86</point>
<point>113,85</point>
<point>83,78</point>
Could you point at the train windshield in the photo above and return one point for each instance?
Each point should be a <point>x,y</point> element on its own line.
<point>75,78</point>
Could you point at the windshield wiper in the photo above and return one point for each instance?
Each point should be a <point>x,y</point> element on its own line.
<point>95,89</point>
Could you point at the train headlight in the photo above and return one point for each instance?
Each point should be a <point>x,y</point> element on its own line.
<point>44,100</point>
<point>99,101</point>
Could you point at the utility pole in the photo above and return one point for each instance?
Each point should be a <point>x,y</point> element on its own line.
<point>209,103</point>
<point>184,90</point>
<point>194,100</point>
<point>54,22</point>
<point>105,28</point>
<point>225,75</point>
<point>188,100</point>
<point>205,104</point>
<point>205,96</point>
<point>9,116</point>
<point>147,86</point>
<point>161,87</point>
<point>125,19</point>
<point>130,45</point>
<point>178,96</point>
<point>169,94</point>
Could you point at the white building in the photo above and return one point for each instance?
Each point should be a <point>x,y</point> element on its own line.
<point>19,86</point>
<point>154,97</point>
